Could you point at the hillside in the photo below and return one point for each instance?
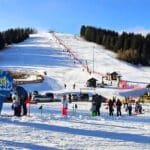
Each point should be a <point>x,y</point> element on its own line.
<point>46,52</point>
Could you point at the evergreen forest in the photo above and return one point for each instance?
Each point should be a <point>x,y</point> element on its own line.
<point>130,47</point>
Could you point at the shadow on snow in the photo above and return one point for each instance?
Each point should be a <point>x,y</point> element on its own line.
<point>82,132</point>
<point>25,145</point>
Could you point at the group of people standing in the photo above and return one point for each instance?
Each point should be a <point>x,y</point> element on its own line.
<point>96,105</point>
<point>112,104</point>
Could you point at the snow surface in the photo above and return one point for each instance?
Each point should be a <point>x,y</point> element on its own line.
<point>50,130</point>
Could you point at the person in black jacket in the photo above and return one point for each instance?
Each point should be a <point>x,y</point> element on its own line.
<point>23,95</point>
<point>111,109</point>
<point>69,98</point>
<point>118,105</point>
<point>129,108</point>
<point>98,100</point>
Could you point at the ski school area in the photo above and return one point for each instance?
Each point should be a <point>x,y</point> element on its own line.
<point>49,126</point>
<point>20,99</point>
<point>70,123</point>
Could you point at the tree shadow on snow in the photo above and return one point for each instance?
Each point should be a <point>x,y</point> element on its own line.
<point>82,132</point>
<point>104,115</point>
<point>24,145</point>
<point>102,124</point>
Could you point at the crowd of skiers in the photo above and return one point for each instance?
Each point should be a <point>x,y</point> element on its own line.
<point>20,98</point>
<point>112,105</point>
<point>115,103</point>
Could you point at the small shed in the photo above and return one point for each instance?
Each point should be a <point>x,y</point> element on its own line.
<point>91,82</point>
<point>113,76</point>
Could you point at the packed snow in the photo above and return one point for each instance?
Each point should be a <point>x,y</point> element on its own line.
<point>47,128</point>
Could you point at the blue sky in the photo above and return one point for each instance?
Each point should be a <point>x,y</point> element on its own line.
<point>68,15</point>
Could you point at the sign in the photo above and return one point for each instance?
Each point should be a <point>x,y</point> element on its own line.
<point>6,85</point>
<point>6,81</point>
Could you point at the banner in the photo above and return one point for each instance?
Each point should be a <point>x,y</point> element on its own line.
<point>6,81</point>
<point>6,85</point>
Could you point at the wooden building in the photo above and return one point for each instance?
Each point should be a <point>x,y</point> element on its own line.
<point>113,76</point>
<point>91,82</point>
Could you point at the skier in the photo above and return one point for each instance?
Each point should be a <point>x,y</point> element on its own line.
<point>74,86</point>
<point>65,86</point>
<point>16,105</point>
<point>23,96</point>
<point>118,104</point>
<point>129,108</point>
<point>138,107</point>
<point>75,106</point>
<point>111,109</point>
<point>65,106</point>
<point>126,102</point>
<point>93,108</point>
<point>98,101</point>
<point>114,100</point>
<point>69,98</point>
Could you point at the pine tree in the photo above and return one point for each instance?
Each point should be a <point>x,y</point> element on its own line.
<point>131,47</point>
<point>2,42</point>
<point>82,31</point>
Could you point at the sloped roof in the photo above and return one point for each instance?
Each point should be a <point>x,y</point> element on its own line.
<point>92,79</point>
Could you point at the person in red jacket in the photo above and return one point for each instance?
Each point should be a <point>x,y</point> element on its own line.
<point>65,106</point>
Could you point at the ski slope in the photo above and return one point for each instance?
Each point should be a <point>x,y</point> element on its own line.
<point>44,52</point>
<point>50,130</point>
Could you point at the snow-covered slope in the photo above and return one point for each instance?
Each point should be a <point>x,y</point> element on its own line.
<point>49,129</point>
<point>47,52</point>
<point>104,60</point>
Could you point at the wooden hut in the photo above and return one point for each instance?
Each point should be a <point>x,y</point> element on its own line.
<point>91,82</point>
<point>113,76</point>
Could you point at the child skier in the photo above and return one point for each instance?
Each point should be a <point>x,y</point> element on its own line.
<point>93,108</point>
<point>65,106</point>
<point>16,105</point>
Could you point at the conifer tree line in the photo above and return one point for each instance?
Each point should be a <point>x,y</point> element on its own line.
<point>14,36</point>
<point>133,48</point>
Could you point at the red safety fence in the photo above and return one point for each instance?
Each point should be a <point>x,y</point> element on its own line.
<point>76,58</point>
